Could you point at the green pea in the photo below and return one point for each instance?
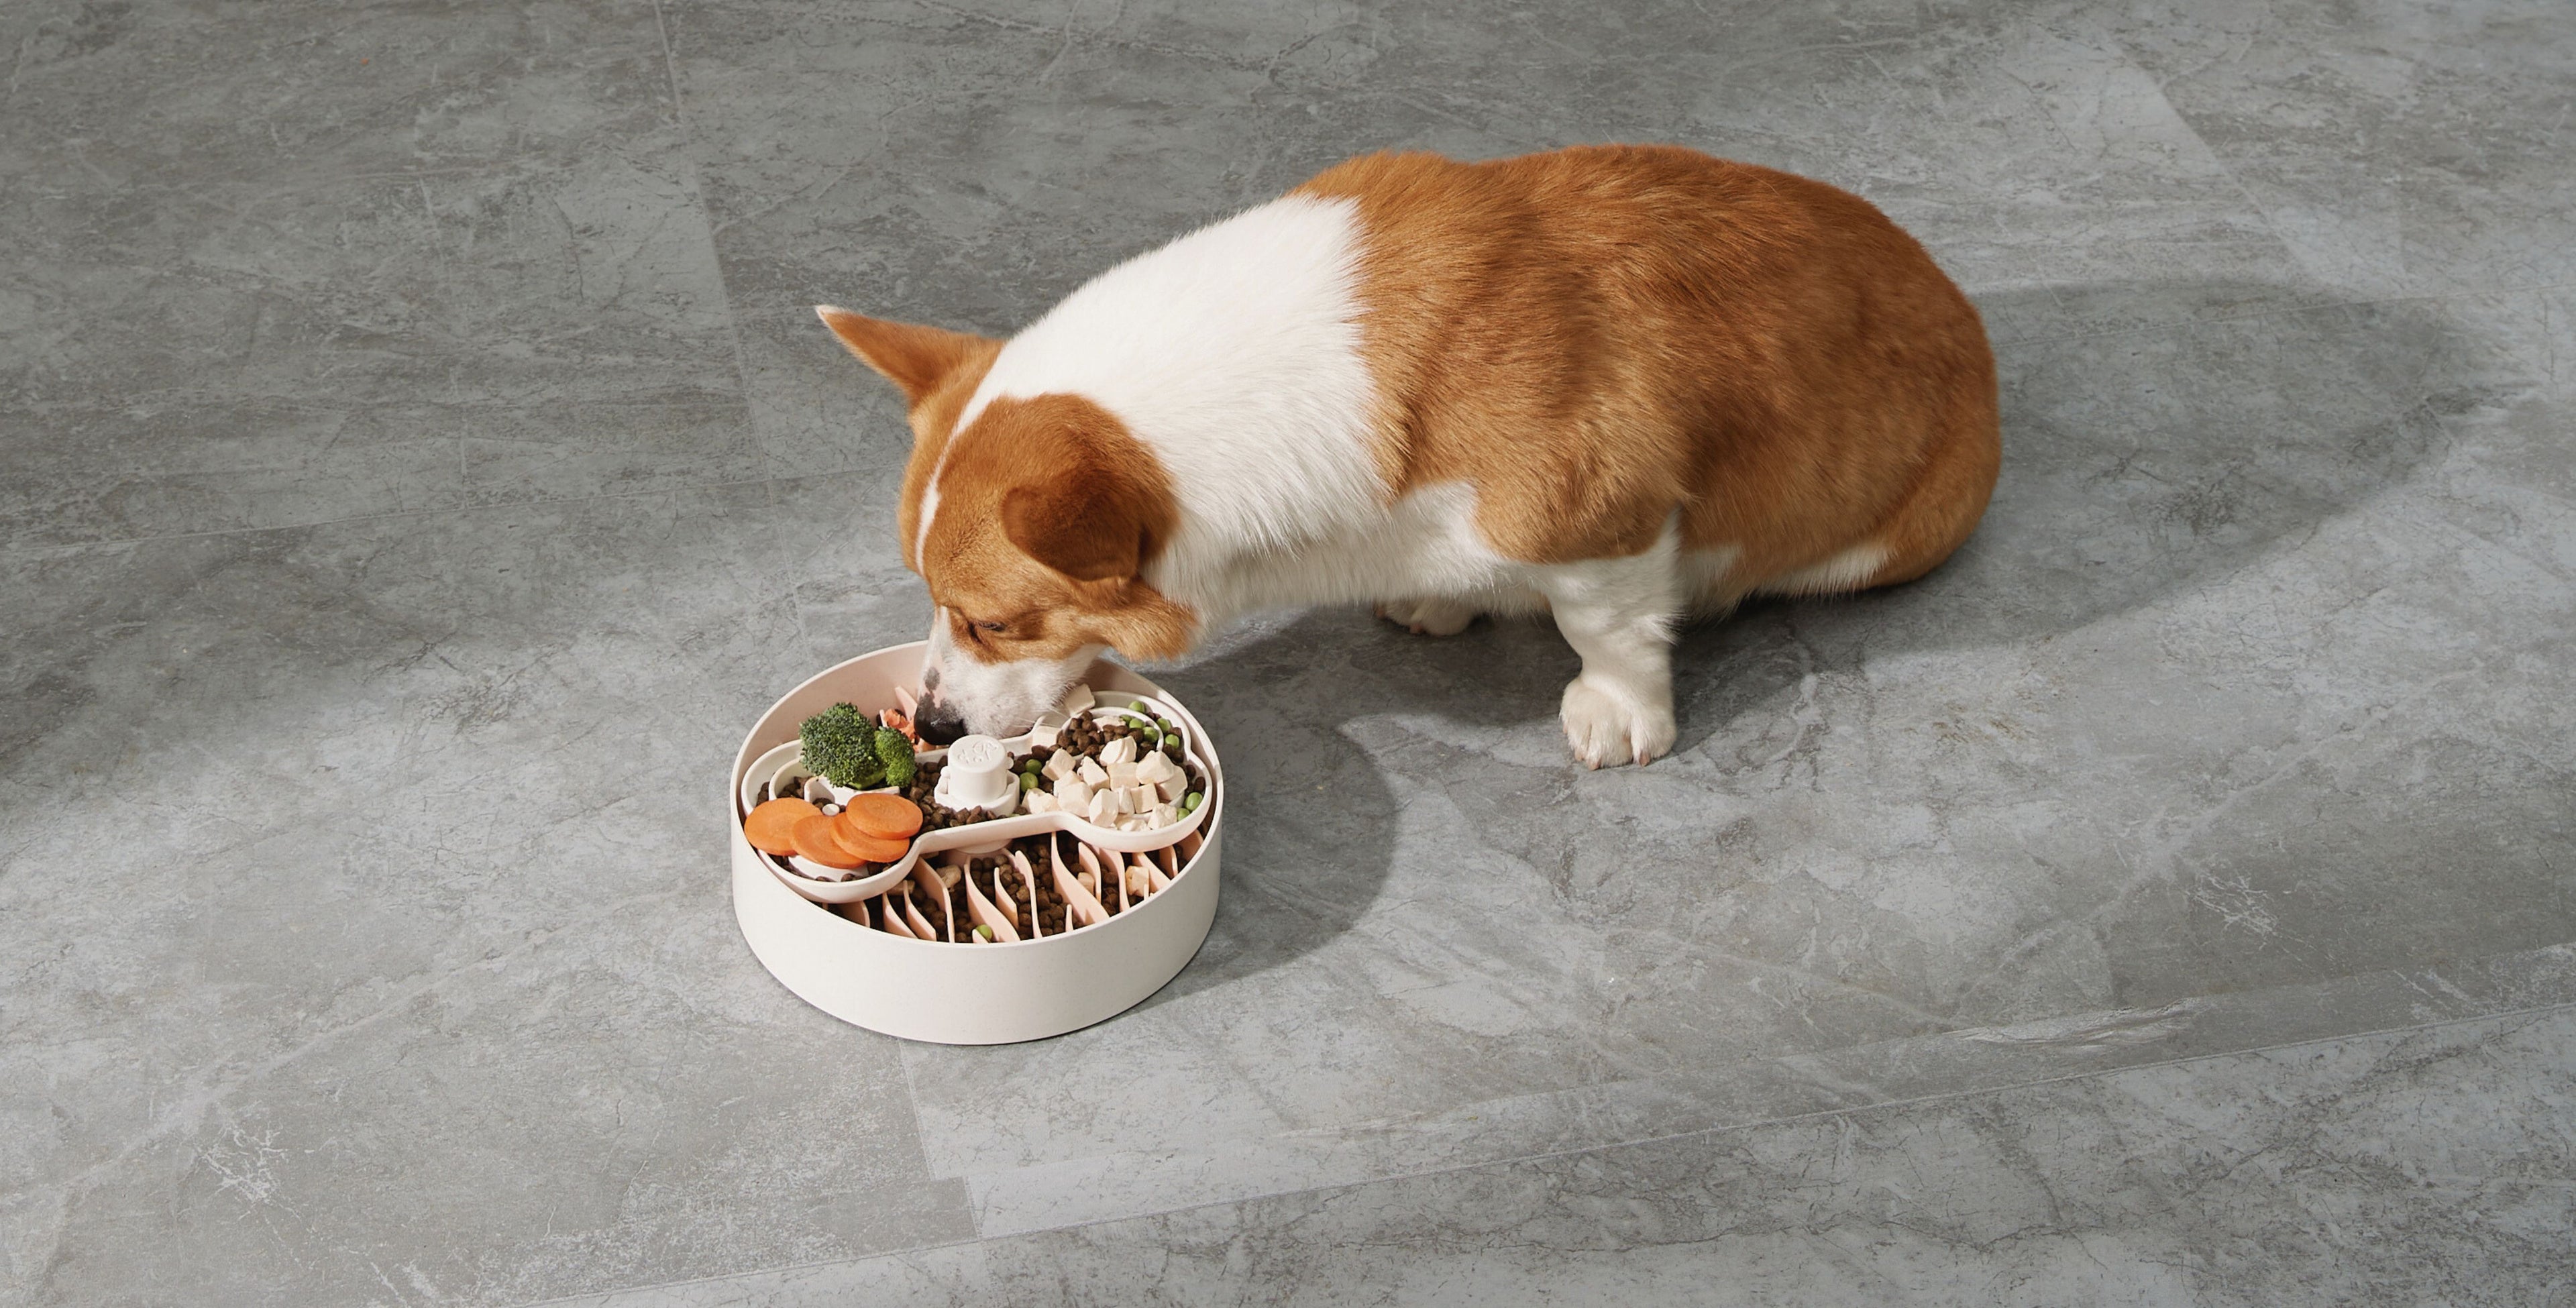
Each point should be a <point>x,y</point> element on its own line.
<point>1028,781</point>
<point>983,933</point>
<point>1153,736</point>
<point>1172,746</point>
<point>1140,705</point>
<point>1165,724</point>
<point>1190,802</point>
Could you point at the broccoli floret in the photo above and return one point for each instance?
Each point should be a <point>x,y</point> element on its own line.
<point>894,749</point>
<point>840,745</point>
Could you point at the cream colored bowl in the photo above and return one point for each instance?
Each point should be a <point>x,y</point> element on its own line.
<point>977,994</point>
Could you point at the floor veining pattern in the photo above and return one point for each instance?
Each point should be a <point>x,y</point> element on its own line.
<point>421,464</point>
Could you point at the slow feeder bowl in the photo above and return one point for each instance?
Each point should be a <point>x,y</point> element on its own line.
<point>969,994</point>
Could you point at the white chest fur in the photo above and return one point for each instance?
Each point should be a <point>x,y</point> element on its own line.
<point>1424,545</point>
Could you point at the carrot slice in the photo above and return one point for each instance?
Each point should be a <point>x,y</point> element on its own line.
<point>813,839</point>
<point>767,827</point>
<point>886,817</point>
<point>874,848</point>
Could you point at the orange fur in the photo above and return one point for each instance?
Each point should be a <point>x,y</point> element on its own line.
<point>1053,506</point>
<point>937,371</point>
<point>1058,482</point>
<point>1591,335</point>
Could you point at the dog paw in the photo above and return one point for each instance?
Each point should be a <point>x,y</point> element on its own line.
<point>1607,729</point>
<point>1428,617</point>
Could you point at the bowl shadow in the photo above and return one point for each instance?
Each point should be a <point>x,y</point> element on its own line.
<point>1309,821</point>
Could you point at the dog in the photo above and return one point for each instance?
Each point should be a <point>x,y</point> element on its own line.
<point>1623,385</point>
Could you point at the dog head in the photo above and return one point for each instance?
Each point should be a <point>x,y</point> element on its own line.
<point>1032,518</point>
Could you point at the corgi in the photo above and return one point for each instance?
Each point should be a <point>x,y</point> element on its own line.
<point>1621,385</point>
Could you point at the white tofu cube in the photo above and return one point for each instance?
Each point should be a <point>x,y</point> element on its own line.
<point>1104,808</point>
<point>1059,765</point>
<point>1169,792</point>
<point>1164,815</point>
<point>1076,701</point>
<point>1122,775</point>
<point>1156,767</point>
<point>1092,772</point>
<point>1121,750</point>
<point>1042,736</point>
<point>1073,793</point>
<point>1038,801</point>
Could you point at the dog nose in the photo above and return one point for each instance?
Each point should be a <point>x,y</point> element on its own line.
<point>938,723</point>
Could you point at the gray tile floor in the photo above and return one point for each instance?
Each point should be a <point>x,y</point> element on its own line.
<point>421,466</point>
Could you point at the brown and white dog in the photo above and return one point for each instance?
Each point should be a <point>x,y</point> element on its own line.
<point>1618,384</point>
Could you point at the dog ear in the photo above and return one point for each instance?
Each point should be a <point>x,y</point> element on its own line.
<point>1096,519</point>
<point>1088,533</point>
<point>1144,624</point>
<point>913,357</point>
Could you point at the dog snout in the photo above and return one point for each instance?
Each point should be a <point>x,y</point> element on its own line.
<point>938,722</point>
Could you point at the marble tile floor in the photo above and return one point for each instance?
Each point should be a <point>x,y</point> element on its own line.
<point>421,466</point>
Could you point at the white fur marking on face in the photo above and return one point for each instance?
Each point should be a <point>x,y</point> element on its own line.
<point>1424,546</point>
<point>929,509</point>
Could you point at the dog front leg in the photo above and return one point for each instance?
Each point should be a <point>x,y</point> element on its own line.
<point>1618,614</point>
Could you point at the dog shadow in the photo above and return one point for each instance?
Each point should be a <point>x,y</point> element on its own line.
<point>2157,436</point>
<point>2139,462</point>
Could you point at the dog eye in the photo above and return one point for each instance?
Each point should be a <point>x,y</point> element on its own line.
<point>994,627</point>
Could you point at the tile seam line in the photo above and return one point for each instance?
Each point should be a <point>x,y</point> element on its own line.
<point>743,396</point>
<point>2119,49</point>
<point>706,216</point>
<point>1816,1115</point>
<point>1544,1155</point>
<point>67,547</point>
<point>733,332</point>
<point>2432,297</point>
<point>210,396</point>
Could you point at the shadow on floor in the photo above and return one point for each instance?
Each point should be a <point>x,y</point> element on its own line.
<point>2137,463</point>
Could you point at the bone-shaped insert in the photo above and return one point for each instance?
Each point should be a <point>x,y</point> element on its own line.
<point>1008,904</point>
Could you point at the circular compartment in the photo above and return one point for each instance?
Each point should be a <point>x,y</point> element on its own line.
<point>964,994</point>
